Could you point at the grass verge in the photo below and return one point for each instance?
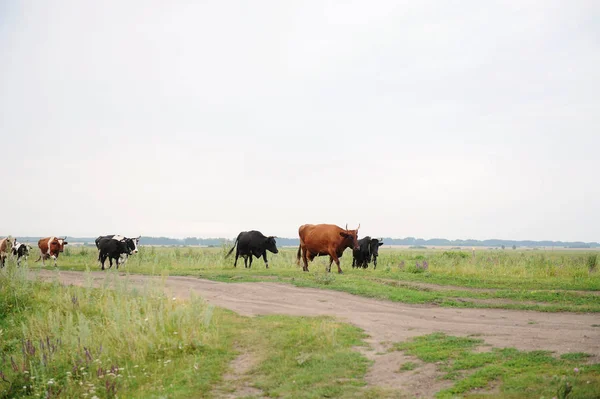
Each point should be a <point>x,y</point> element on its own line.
<point>515,373</point>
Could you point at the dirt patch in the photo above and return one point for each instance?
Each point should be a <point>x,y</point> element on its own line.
<point>499,301</point>
<point>414,285</point>
<point>385,373</point>
<point>384,321</point>
<point>236,383</point>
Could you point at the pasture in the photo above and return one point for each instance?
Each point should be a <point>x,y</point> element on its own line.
<point>111,338</point>
<point>549,281</point>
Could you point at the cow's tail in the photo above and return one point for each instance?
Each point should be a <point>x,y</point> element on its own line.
<point>40,258</point>
<point>298,255</point>
<point>234,244</point>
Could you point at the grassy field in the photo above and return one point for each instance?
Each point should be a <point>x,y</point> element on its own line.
<point>58,341</point>
<point>68,342</point>
<point>549,281</point>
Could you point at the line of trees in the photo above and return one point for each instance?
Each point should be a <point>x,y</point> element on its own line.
<point>293,242</point>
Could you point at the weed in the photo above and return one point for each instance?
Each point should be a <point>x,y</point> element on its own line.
<point>455,255</point>
<point>575,356</point>
<point>408,366</point>
<point>324,278</point>
<point>592,262</point>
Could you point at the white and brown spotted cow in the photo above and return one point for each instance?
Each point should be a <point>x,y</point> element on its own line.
<point>50,247</point>
<point>4,250</point>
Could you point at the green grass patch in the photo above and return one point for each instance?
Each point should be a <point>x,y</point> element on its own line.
<point>549,281</point>
<point>408,366</point>
<point>576,356</point>
<point>58,341</point>
<point>519,373</point>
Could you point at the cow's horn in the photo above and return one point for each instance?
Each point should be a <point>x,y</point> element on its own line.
<point>358,226</point>
<point>346,226</point>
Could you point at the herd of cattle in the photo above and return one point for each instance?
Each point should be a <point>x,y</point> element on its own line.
<point>315,240</point>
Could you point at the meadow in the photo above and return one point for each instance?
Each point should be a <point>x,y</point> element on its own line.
<point>65,341</point>
<point>549,281</point>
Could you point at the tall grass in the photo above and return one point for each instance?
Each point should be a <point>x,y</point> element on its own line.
<point>77,342</point>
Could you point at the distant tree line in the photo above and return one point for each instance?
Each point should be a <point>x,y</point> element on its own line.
<point>293,242</point>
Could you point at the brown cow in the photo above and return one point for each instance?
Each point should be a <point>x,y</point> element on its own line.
<point>50,247</point>
<point>5,246</point>
<point>325,239</point>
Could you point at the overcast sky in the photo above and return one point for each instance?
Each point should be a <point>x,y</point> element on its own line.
<point>454,119</point>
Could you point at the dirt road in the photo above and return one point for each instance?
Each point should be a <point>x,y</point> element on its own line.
<point>384,321</point>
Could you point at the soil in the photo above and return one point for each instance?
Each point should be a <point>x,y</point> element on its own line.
<point>385,322</point>
<point>415,285</point>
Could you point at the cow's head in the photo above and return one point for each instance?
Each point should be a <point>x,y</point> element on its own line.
<point>132,244</point>
<point>350,237</point>
<point>57,245</point>
<point>271,245</point>
<point>374,245</point>
<point>61,244</point>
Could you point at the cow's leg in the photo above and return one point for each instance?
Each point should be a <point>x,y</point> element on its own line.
<point>374,262</point>
<point>305,259</point>
<point>102,260</point>
<point>245,261</point>
<point>337,262</point>
<point>55,259</point>
<point>250,264</point>
<point>330,262</point>
<point>265,259</point>
<point>117,261</point>
<point>237,254</point>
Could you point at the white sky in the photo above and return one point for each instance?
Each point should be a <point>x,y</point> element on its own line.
<point>454,119</point>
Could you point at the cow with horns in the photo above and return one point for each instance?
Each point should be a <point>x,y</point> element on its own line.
<point>325,239</point>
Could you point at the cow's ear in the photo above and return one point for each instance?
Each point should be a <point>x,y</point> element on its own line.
<point>65,243</point>
<point>343,234</point>
<point>380,244</point>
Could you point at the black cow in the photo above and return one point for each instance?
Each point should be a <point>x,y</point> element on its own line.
<point>253,243</point>
<point>113,249</point>
<point>131,244</point>
<point>368,248</point>
<point>20,250</point>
